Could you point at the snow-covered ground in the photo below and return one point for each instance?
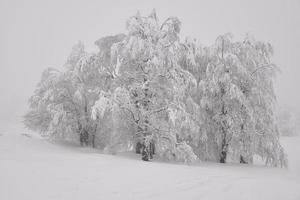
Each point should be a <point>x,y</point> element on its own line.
<point>31,168</point>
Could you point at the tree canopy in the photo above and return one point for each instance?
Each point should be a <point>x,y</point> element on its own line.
<point>192,101</point>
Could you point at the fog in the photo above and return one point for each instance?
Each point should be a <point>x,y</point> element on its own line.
<point>37,34</point>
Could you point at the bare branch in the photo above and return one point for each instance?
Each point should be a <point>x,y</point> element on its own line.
<point>261,67</point>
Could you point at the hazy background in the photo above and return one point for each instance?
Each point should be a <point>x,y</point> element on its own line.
<point>36,34</point>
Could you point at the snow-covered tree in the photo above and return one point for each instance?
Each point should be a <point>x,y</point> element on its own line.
<point>227,93</point>
<point>38,118</point>
<point>180,100</point>
<point>66,97</point>
<point>152,84</point>
<point>257,57</point>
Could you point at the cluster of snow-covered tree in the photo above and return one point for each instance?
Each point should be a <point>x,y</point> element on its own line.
<point>148,87</point>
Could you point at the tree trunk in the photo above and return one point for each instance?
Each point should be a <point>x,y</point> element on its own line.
<point>223,154</point>
<point>152,147</point>
<point>94,134</point>
<point>80,133</point>
<point>223,157</point>
<point>84,136</point>
<point>242,160</point>
<point>138,147</point>
<point>93,140</point>
<point>146,154</point>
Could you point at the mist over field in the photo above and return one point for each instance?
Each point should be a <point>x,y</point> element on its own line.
<point>149,99</point>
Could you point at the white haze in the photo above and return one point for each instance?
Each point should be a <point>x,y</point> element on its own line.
<point>36,34</point>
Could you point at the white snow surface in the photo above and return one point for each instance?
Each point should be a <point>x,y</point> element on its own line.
<point>32,168</point>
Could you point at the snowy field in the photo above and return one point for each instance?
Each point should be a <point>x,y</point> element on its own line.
<point>31,168</point>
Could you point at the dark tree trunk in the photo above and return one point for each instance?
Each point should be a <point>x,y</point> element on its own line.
<point>93,140</point>
<point>148,151</point>
<point>84,136</point>
<point>223,157</point>
<point>223,154</point>
<point>80,133</point>
<point>242,160</point>
<point>145,153</point>
<point>138,148</point>
<point>94,134</point>
<point>152,147</point>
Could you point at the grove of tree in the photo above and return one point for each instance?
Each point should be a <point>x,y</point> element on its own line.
<point>212,103</point>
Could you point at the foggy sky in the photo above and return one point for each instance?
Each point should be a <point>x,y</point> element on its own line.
<point>36,34</point>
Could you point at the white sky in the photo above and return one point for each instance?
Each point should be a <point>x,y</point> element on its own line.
<point>36,34</point>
